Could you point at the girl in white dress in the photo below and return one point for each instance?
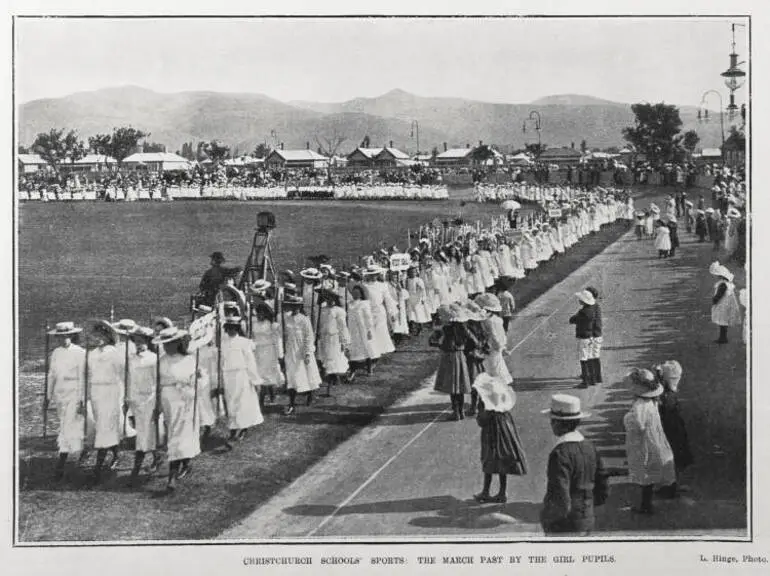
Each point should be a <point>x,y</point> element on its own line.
<point>417,310</point>
<point>178,379</point>
<point>66,389</point>
<point>268,348</point>
<point>662,240</point>
<point>399,294</point>
<point>302,375</point>
<point>361,325</point>
<point>725,310</point>
<point>382,310</point>
<point>333,337</point>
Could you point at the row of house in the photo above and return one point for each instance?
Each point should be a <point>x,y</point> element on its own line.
<point>94,163</point>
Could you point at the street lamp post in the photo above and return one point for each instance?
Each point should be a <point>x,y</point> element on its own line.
<point>721,116</point>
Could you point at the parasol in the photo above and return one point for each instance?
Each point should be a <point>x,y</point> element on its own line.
<point>511,205</point>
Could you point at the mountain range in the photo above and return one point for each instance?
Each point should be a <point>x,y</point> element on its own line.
<point>244,120</point>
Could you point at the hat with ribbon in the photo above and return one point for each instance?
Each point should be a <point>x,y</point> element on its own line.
<point>232,321</point>
<point>142,332</point>
<point>565,407</point>
<point>496,395</point>
<point>489,302</point>
<point>124,327</point>
<point>716,269</point>
<point>291,300</point>
<point>259,286</point>
<point>65,329</point>
<point>165,322</point>
<point>169,335</point>
<point>643,384</point>
<point>310,274</point>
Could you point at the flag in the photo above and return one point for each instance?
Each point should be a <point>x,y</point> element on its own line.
<point>203,330</point>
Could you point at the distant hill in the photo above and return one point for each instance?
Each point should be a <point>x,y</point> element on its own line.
<point>243,120</point>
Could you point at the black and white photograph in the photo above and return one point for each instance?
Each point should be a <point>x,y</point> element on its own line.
<point>349,279</point>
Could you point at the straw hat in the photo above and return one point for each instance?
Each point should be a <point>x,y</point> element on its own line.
<point>709,210</point>
<point>165,322</point>
<point>342,275</point>
<point>474,311</point>
<point>733,213</point>
<point>291,300</point>
<point>232,320</point>
<point>373,270</point>
<point>311,274</point>
<point>327,268</point>
<point>65,329</point>
<point>496,394</point>
<point>142,332</point>
<point>565,407</point>
<point>169,335</point>
<point>489,302</point>
<point>124,327</point>
<point>586,297</point>
<point>643,383</point>
<point>260,286</point>
<point>204,309</point>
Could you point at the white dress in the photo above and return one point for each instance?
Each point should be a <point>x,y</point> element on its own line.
<point>726,312</point>
<point>528,253</point>
<point>141,398</point>
<point>177,393</point>
<point>417,310</point>
<point>268,348</point>
<point>66,381</point>
<point>494,364</point>
<point>105,379</point>
<point>400,296</point>
<point>381,305</point>
<point>333,339</point>
<point>241,379</point>
<point>650,459</point>
<point>360,324</point>
<point>302,372</point>
<point>506,264</point>
<point>207,406</point>
<point>662,238</point>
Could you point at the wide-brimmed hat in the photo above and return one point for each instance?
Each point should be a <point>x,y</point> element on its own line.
<point>65,329</point>
<point>163,321</point>
<point>716,269</point>
<point>169,335</point>
<point>327,267</point>
<point>218,257</point>
<point>342,275</point>
<point>733,212</point>
<point>311,274</point>
<point>586,297</point>
<point>496,394</point>
<point>444,314</point>
<point>232,320</point>
<point>124,327</point>
<point>565,407</point>
<point>259,286</point>
<point>709,210</point>
<point>374,270</point>
<point>489,302</point>
<point>643,383</point>
<point>474,311</point>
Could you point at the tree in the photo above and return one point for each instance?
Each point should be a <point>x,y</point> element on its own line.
<point>583,146</point>
<point>55,147</point>
<point>216,151</point>
<point>22,150</point>
<point>154,147</point>
<point>481,154</point>
<point>365,143</point>
<point>690,140</point>
<point>261,150</point>
<point>434,152</point>
<point>328,146</point>
<point>123,142</point>
<point>655,131</point>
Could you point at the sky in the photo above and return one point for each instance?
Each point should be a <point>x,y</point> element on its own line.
<point>513,60</point>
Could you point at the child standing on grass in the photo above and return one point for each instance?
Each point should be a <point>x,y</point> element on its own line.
<point>650,459</point>
<point>501,449</point>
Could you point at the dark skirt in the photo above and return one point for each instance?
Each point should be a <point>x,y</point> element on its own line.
<point>452,376</point>
<point>475,367</point>
<point>501,449</point>
<point>675,430</point>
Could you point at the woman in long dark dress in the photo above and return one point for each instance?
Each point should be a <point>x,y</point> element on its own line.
<point>452,376</point>
<point>501,449</point>
<point>669,374</point>
<point>477,348</point>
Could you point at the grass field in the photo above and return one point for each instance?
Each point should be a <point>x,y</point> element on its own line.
<point>83,274</point>
<point>76,260</point>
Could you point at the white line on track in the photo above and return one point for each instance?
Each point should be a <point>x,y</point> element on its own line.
<point>393,458</point>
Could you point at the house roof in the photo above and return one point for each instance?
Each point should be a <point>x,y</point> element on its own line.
<point>298,155</point>
<point>31,159</point>
<point>155,157</point>
<point>370,153</point>
<point>455,153</point>
<point>711,152</point>
<point>560,153</point>
<point>395,152</point>
<point>96,159</point>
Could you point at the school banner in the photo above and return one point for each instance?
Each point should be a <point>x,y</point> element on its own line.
<point>203,330</point>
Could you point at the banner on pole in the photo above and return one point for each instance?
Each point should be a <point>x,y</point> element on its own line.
<point>400,262</point>
<point>203,330</point>
<point>554,213</point>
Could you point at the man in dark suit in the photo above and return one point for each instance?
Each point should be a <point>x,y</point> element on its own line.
<point>577,480</point>
<point>584,328</point>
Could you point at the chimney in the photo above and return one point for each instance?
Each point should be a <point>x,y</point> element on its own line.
<point>467,145</point>
<point>481,143</point>
<point>307,145</point>
<point>391,144</point>
<point>281,145</point>
<point>140,148</point>
<point>444,146</point>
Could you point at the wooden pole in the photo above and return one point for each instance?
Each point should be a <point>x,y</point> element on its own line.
<point>125,390</point>
<point>85,393</point>
<point>45,390</point>
<point>157,397</point>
